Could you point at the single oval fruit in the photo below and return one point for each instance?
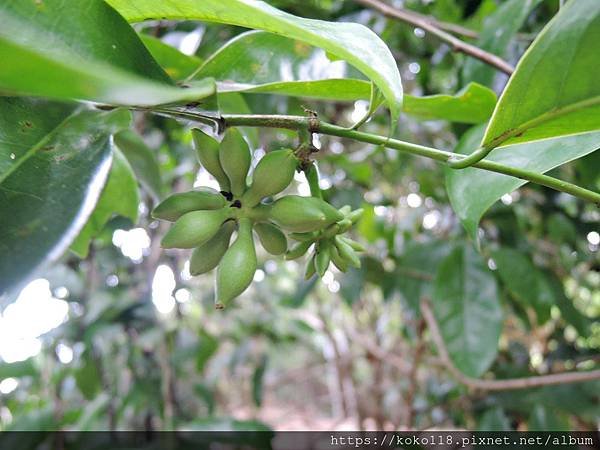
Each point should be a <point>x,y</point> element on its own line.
<point>273,173</point>
<point>355,215</point>
<point>323,256</point>
<point>347,252</point>
<point>236,269</point>
<point>310,268</point>
<point>234,155</point>
<point>303,214</point>
<point>357,246</point>
<point>207,256</point>
<point>176,205</point>
<point>298,250</point>
<point>304,237</point>
<point>271,238</point>
<point>207,151</point>
<point>337,260</point>
<point>195,228</point>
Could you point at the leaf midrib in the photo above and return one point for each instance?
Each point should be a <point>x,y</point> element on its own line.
<point>42,142</point>
<point>542,118</point>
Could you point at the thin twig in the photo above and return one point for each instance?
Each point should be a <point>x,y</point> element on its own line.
<point>303,123</point>
<point>446,26</point>
<point>433,28</point>
<point>498,385</point>
<point>413,379</point>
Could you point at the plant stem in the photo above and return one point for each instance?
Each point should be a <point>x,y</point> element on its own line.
<point>498,385</point>
<point>429,26</point>
<point>312,176</point>
<point>316,126</point>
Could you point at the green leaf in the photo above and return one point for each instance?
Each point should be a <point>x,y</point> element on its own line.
<point>525,282</point>
<point>207,347</point>
<point>87,376</point>
<point>494,419</point>
<point>42,419</point>
<point>416,268</point>
<point>567,310</point>
<point>252,62</point>
<point>258,381</point>
<point>498,30</point>
<point>53,184</point>
<point>176,64</point>
<point>350,41</point>
<point>142,160</point>
<point>473,104</point>
<point>120,196</point>
<point>51,49</point>
<point>472,191</point>
<point>467,308</point>
<point>18,369</point>
<point>546,419</point>
<point>554,90</point>
<point>226,424</point>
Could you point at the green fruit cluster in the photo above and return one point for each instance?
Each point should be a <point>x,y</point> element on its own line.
<point>329,245</point>
<point>206,220</point>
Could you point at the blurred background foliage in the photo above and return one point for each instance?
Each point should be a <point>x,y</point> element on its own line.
<point>125,339</point>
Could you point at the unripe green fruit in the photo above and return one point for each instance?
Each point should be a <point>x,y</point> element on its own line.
<point>345,210</point>
<point>344,225</point>
<point>206,257</point>
<point>207,151</point>
<point>235,157</point>
<point>355,215</point>
<point>195,228</point>
<point>236,269</point>
<point>303,214</point>
<point>310,268</point>
<point>273,173</point>
<point>271,238</point>
<point>323,257</point>
<point>298,250</point>
<point>303,237</point>
<point>347,252</point>
<point>176,205</point>
<point>337,260</point>
<point>357,246</point>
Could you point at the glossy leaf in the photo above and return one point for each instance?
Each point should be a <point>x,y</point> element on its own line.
<point>142,161</point>
<point>349,41</point>
<point>47,195</point>
<point>48,50</point>
<point>473,104</point>
<point>417,267</point>
<point>554,90</point>
<point>472,191</point>
<point>497,31</point>
<point>494,419</point>
<point>120,196</point>
<point>252,62</point>
<point>468,311</point>
<point>176,64</point>
<point>567,310</point>
<point>525,282</point>
<point>543,418</point>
